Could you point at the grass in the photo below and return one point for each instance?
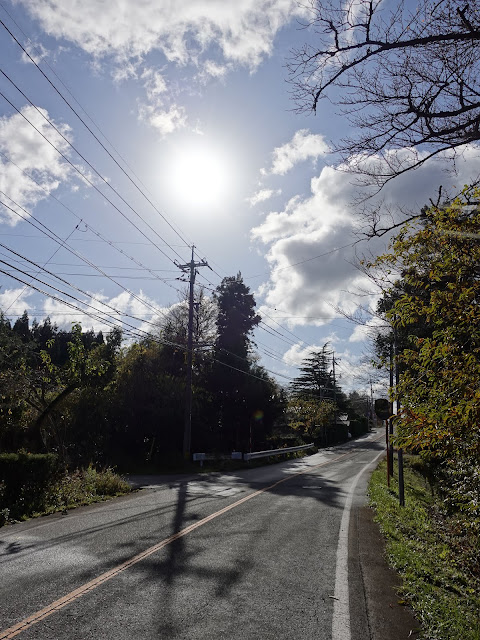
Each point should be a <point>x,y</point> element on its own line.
<point>437,560</point>
<point>85,486</point>
<point>74,489</point>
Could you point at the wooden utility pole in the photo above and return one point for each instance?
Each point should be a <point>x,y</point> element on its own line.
<point>191,269</point>
<point>334,362</point>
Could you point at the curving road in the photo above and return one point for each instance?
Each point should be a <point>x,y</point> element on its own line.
<point>260,553</point>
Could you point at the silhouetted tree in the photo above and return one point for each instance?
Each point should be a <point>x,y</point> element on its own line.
<point>232,364</point>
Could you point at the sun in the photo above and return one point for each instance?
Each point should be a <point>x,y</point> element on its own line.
<point>199,176</point>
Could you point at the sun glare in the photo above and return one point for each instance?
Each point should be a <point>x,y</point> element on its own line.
<point>199,177</point>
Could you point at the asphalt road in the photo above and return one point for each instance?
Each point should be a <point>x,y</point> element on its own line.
<point>262,553</point>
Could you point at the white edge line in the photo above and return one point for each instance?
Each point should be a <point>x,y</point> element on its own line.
<point>341,603</point>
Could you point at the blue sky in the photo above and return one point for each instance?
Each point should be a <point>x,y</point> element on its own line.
<point>191,100</point>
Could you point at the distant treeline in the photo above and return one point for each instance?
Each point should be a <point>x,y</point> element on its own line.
<point>83,396</point>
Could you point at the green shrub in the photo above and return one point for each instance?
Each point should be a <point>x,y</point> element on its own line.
<point>26,482</point>
<point>35,483</point>
<point>84,486</point>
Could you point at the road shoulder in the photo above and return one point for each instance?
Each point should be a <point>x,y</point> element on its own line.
<point>373,583</point>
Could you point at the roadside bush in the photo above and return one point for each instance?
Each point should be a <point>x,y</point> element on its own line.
<point>84,486</point>
<point>37,484</point>
<point>279,440</point>
<point>26,482</point>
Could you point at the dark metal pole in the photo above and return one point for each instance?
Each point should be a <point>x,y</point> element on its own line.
<point>401,485</point>
<point>390,426</point>
<point>388,454</point>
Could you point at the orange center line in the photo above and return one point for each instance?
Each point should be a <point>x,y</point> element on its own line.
<point>108,575</point>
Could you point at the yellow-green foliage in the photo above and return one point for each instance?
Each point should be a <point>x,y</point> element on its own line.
<point>434,304</point>
<point>309,416</point>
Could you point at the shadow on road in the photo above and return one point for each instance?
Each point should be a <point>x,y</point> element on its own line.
<point>173,504</point>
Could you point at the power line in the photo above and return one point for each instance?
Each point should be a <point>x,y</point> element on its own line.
<point>53,254</point>
<point>90,131</point>
<point>54,237</point>
<point>98,275</point>
<point>104,304</point>
<point>25,235</point>
<point>103,266</point>
<point>162,215</point>
<point>51,124</point>
<point>92,184</point>
<point>88,226</point>
<point>276,333</point>
<point>295,264</point>
<point>131,330</point>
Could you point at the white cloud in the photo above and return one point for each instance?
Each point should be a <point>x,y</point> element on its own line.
<point>123,72</point>
<point>312,275</point>
<point>297,353</point>
<point>25,147</point>
<point>354,372</point>
<point>102,306</point>
<point>155,83</point>
<point>211,69</point>
<point>165,121</point>
<point>182,30</point>
<point>36,51</point>
<point>212,37</point>
<point>262,195</point>
<point>160,111</point>
<point>15,298</point>
<point>365,331</point>
<point>302,146</point>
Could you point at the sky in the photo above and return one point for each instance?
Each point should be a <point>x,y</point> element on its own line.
<point>131,131</point>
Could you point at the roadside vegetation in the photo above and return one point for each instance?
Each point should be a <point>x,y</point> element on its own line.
<point>37,484</point>
<point>431,288</point>
<point>433,549</point>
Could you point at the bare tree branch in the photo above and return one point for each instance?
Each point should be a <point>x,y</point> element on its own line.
<point>405,78</point>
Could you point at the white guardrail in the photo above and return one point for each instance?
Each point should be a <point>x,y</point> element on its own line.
<point>275,452</point>
<point>237,455</point>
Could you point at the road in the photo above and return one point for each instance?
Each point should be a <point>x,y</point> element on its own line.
<point>259,553</point>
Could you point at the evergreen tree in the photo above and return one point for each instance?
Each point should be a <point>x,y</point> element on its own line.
<point>22,328</point>
<point>232,360</point>
<point>316,378</point>
<point>235,322</point>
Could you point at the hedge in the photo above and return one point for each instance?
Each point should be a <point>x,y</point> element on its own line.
<point>26,482</point>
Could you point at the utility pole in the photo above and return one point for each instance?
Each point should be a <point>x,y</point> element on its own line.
<point>334,380</point>
<point>191,269</point>
<point>334,362</point>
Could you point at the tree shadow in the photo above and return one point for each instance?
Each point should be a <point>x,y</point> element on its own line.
<point>186,558</point>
